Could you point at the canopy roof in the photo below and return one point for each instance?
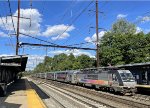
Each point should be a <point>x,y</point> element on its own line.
<point>19,62</point>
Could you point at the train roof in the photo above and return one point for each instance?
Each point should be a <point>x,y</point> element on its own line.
<point>100,68</point>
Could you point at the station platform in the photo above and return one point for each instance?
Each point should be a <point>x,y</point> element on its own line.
<point>21,95</point>
<point>144,89</point>
<point>143,86</point>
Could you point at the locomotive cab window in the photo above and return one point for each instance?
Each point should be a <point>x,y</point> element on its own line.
<point>114,77</point>
<point>127,76</point>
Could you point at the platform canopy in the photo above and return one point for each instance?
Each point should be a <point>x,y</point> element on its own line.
<point>146,64</point>
<point>18,62</point>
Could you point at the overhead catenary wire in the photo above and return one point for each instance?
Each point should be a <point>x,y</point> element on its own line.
<point>45,40</point>
<point>11,16</point>
<point>74,20</point>
<point>68,9</point>
<point>53,43</point>
<point>57,46</point>
<point>85,26</point>
<point>66,29</point>
<point>37,38</point>
<point>82,43</point>
<point>7,32</point>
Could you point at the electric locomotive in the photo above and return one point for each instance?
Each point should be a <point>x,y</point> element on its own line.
<point>109,79</point>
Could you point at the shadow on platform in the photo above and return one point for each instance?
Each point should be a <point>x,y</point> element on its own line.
<point>41,94</point>
<point>9,105</point>
<point>20,85</point>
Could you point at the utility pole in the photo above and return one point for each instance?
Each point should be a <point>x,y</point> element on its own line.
<point>97,41</point>
<point>17,37</point>
<point>46,51</point>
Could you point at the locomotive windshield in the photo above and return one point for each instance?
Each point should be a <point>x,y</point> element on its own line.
<point>126,76</point>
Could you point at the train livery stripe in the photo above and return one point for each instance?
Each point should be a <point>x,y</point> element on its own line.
<point>101,82</point>
<point>34,100</point>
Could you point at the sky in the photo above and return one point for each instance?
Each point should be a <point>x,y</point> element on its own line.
<point>64,23</point>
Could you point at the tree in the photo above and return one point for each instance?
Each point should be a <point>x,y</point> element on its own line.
<point>123,27</point>
<point>122,45</point>
<point>64,62</point>
<point>85,61</point>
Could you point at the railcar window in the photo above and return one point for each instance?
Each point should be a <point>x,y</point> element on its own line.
<point>127,77</point>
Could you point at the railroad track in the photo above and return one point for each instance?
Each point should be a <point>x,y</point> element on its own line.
<point>141,97</point>
<point>87,101</point>
<point>55,102</point>
<point>79,101</point>
<point>101,97</point>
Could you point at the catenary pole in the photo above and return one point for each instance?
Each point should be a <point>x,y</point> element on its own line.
<point>97,37</point>
<point>17,37</point>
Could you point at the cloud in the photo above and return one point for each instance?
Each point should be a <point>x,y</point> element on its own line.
<point>143,19</point>
<point>88,39</point>
<point>34,60</point>
<point>75,52</point>
<point>119,16</point>
<point>35,19</point>
<point>93,38</point>
<point>138,30</point>
<point>54,31</point>
<point>63,36</point>
<point>33,25</point>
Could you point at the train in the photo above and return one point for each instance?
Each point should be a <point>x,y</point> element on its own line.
<point>116,80</point>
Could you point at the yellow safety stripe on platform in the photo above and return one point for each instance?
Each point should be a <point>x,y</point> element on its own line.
<point>34,100</point>
<point>143,86</point>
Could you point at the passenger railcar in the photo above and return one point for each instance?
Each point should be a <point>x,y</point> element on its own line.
<point>43,75</point>
<point>50,75</point>
<point>72,76</point>
<point>61,76</point>
<point>107,79</point>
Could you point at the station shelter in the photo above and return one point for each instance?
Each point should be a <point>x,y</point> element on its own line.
<point>141,72</point>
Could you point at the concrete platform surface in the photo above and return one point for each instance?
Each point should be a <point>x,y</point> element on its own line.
<point>21,95</point>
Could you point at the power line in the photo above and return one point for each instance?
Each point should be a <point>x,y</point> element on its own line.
<point>11,16</point>
<point>38,39</point>
<point>51,42</point>
<point>72,4</point>
<point>85,26</point>
<point>81,43</point>
<point>74,20</point>
<point>58,46</point>
<point>7,32</point>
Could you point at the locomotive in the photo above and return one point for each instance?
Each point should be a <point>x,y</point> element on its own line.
<point>107,79</point>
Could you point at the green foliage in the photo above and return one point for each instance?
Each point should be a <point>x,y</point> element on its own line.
<point>64,62</point>
<point>122,45</point>
<point>123,27</point>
